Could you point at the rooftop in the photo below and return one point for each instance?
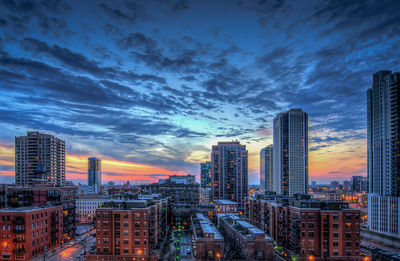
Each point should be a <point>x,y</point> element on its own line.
<point>246,229</point>
<point>208,227</point>
<point>224,202</point>
<point>24,209</point>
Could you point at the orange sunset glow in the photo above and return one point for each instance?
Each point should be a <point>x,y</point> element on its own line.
<point>333,162</point>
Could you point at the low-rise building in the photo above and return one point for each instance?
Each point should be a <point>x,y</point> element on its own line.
<point>179,192</point>
<point>130,229</point>
<point>225,206</point>
<point>86,206</point>
<point>29,231</point>
<point>42,194</point>
<point>244,239</point>
<point>321,229</point>
<point>209,243</point>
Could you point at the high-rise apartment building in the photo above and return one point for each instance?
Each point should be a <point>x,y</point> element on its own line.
<point>266,161</point>
<point>205,175</point>
<point>290,153</point>
<point>94,174</point>
<point>39,156</point>
<point>383,153</point>
<point>229,172</point>
<point>359,183</point>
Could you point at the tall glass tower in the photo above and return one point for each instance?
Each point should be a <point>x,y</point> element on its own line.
<point>266,163</point>
<point>94,174</point>
<point>384,153</point>
<point>290,153</point>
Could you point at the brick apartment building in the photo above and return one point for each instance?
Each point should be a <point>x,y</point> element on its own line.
<point>180,192</point>
<point>209,243</point>
<point>130,229</point>
<point>27,232</point>
<point>225,206</point>
<point>308,228</point>
<point>42,193</point>
<point>244,240</point>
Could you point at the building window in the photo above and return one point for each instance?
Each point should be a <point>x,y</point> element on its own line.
<point>335,243</point>
<point>126,241</point>
<point>335,252</point>
<point>137,242</point>
<point>348,243</point>
<point>335,225</point>
<point>126,250</point>
<point>126,224</point>
<point>335,234</point>
<point>126,233</point>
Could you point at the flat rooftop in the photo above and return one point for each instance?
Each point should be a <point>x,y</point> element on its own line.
<point>24,209</point>
<point>224,202</point>
<point>208,227</point>
<point>246,229</point>
<point>123,204</point>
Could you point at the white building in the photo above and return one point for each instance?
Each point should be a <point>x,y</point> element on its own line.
<point>290,153</point>
<point>86,205</point>
<point>383,154</point>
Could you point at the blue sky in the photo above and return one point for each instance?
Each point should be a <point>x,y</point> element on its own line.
<point>156,83</point>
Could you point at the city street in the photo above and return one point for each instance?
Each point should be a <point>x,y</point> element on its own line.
<point>185,252</point>
<point>73,252</point>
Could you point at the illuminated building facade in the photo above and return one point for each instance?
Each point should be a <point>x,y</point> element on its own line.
<point>229,172</point>
<point>29,231</point>
<point>383,124</point>
<point>130,229</point>
<point>39,156</point>
<point>290,152</point>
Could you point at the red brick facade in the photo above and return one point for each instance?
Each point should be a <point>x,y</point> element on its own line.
<point>322,230</point>
<point>134,233</point>
<point>26,232</point>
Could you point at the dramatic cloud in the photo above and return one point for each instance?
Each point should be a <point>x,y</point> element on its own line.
<point>150,86</point>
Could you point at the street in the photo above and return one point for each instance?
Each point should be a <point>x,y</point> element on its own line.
<point>185,252</point>
<point>66,252</point>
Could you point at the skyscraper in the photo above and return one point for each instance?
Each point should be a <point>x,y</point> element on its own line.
<point>205,175</point>
<point>359,183</point>
<point>290,153</point>
<point>266,169</point>
<point>229,172</point>
<point>39,156</point>
<point>383,101</point>
<point>94,174</point>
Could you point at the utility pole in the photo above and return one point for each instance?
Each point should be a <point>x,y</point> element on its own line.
<point>44,254</point>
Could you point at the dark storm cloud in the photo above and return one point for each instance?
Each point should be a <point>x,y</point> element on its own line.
<point>131,12</point>
<point>127,72</point>
<point>81,63</point>
<point>180,5</point>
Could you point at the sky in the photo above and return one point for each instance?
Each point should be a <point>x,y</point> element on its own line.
<point>150,86</point>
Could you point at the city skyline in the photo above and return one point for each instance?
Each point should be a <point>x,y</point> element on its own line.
<point>150,87</point>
